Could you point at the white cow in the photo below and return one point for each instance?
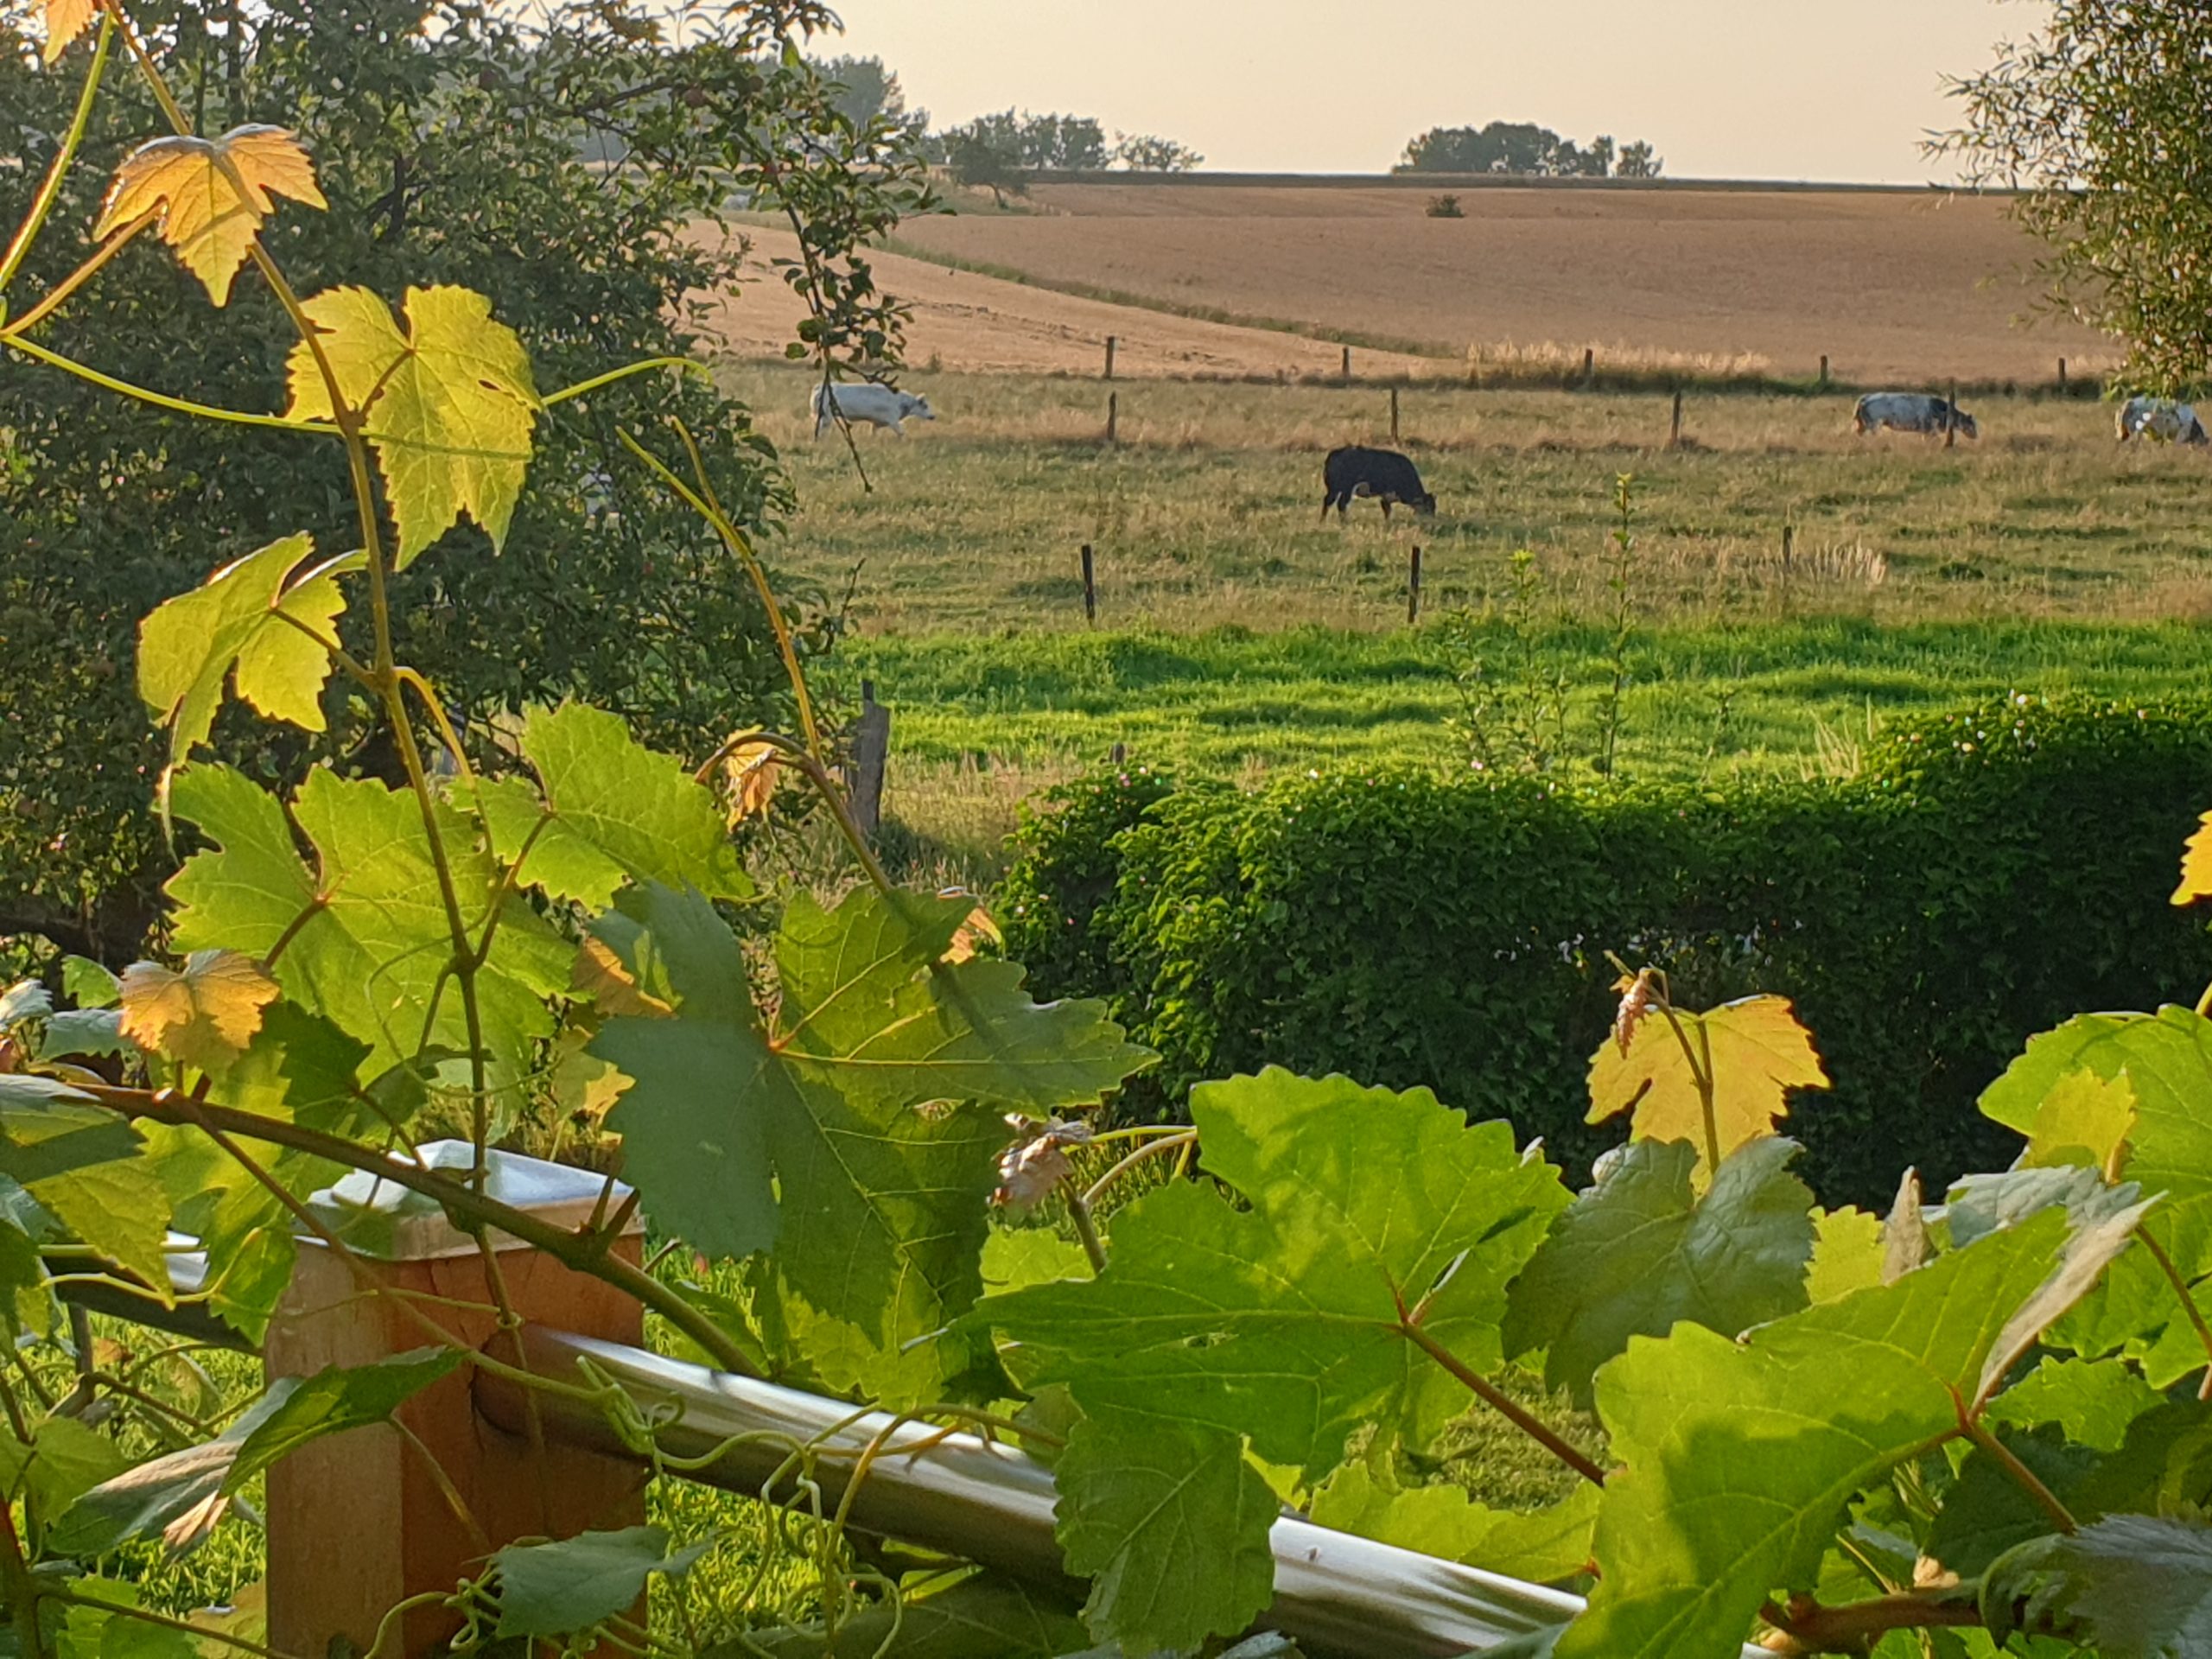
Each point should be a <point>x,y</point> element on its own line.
<point>2160,417</point>
<point>1910,412</point>
<point>877,405</point>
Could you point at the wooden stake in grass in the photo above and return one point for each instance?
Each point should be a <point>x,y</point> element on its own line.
<point>2062,374</point>
<point>1589,366</point>
<point>1394,415</point>
<point>1347,366</point>
<point>1113,417</point>
<point>1110,357</point>
<point>1824,369</point>
<point>1675,430</point>
<point>1951,420</point>
<point>1090,587</point>
<point>1412,588</point>
<point>1788,545</point>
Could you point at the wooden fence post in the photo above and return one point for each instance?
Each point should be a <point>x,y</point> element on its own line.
<point>2062,374</point>
<point>1951,420</point>
<point>1589,366</point>
<point>1824,369</point>
<point>1675,430</point>
<point>1394,415</point>
<point>1412,588</point>
<point>357,1522</point>
<point>1788,545</point>
<point>1110,357</point>
<point>1118,753</point>
<point>1113,417</point>
<point>871,757</point>
<point>1089,586</point>
<point>1346,372</point>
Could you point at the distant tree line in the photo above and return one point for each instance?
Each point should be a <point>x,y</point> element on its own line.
<point>1524,148</point>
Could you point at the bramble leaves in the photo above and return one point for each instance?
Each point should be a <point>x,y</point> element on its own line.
<point>1741,1457</point>
<point>611,812</point>
<point>1753,1050</point>
<point>247,624</point>
<point>807,1135</point>
<point>572,1585</point>
<point>203,1017</point>
<point>449,405</point>
<point>1277,1325</point>
<point>211,194</point>
<point>1640,1251</point>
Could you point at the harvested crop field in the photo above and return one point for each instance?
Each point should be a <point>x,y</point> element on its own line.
<point>1904,287</point>
<point>965,322</point>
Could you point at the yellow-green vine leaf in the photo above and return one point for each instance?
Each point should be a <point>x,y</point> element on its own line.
<point>87,1166</point>
<point>1754,1050</point>
<point>1848,1254</point>
<point>65,20</point>
<point>449,404</point>
<point>2196,865</point>
<point>2085,1119</point>
<point>212,195</point>
<point>236,622</point>
<point>203,1017</point>
<point>1537,1546</point>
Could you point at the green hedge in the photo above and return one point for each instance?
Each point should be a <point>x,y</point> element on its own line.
<point>1989,874</point>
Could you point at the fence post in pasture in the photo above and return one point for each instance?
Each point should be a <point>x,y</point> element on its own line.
<point>1951,420</point>
<point>1118,753</point>
<point>1113,417</point>
<point>1089,586</point>
<point>2062,375</point>
<point>871,755</point>
<point>1589,366</point>
<point>1110,357</point>
<point>1394,415</point>
<point>1824,370</point>
<point>1412,588</point>
<point>359,1522</point>
<point>1789,546</point>
<point>1675,430</point>
<point>1346,373</point>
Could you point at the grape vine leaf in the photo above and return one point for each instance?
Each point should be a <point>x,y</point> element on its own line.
<point>2092,1401</point>
<point>1536,1546</point>
<point>806,1135</point>
<point>2131,1587</point>
<point>1170,1522</point>
<point>365,939</point>
<point>187,1487</point>
<point>65,20</point>
<point>1741,1457</point>
<point>210,195</point>
<point>64,1460</point>
<point>88,984</point>
<point>609,812</point>
<point>203,1016</point>
<point>235,626</point>
<point>1641,1250</point>
<point>976,1617</point>
<point>1754,1051</point>
<point>1847,1254</point>
<point>91,1630</point>
<point>1278,1325</point>
<point>2196,865</point>
<point>573,1584</point>
<point>449,405</point>
<point>84,1165</point>
<point>2085,1119</point>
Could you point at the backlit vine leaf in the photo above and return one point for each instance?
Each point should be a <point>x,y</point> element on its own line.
<point>1741,1458</point>
<point>449,404</point>
<point>2094,1402</point>
<point>1276,1325</point>
<point>2085,1119</point>
<point>84,1167</point>
<point>607,812</point>
<point>235,626</point>
<point>1847,1254</point>
<point>1641,1250</point>
<point>1537,1546</point>
<point>750,774</point>
<point>202,1017</point>
<point>805,1134</point>
<point>212,195</point>
<point>1754,1050</point>
<point>65,20</point>
<point>2196,865</point>
<point>365,935</point>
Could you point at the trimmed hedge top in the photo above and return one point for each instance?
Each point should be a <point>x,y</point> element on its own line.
<point>1989,874</point>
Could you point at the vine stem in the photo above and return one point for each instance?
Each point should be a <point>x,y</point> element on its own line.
<point>2022,1476</point>
<point>2188,1303</point>
<point>147,1615</point>
<point>585,1252</point>
<point>1150,1149</point>
<point>1483,1389</point>
<point>1806,1627</point>
<point>157,399</point>
<point>1700,1073</point>
<point>683,365</point>
<point>1086,1228</point>
<point>21,1587</point>
<point>77,279</point>
<point>49,189</point>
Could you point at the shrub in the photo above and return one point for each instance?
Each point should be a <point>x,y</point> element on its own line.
<point>1445,206</point>
<point>1410,928</point>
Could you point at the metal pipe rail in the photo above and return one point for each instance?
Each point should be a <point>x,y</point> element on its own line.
<point>1337,1594</point>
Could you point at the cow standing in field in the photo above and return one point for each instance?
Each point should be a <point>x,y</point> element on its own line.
<point>1384,474</point>
<point>2160,417</point>
<point>877,405</point>
<point>1910,412</point>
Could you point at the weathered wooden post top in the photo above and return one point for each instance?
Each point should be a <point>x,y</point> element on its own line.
<point>361,1520</point>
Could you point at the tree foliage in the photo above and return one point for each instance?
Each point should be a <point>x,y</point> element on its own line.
<point>2098,115</point>
<point>1523,149</point>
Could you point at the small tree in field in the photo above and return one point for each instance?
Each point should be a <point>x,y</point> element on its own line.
<point>986,154</point>
<point>2099,117</point>
<point>1638,160</point>
<point>1143,153</point>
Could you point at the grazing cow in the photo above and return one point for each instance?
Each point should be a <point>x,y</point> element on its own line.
<point>1384,474</point>
<point>2160,417</point>
<point>1910,412</point>
<point>877,405</point>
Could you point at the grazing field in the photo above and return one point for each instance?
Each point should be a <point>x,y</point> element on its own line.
<point>1237,634</point>
<point>1892,285</point>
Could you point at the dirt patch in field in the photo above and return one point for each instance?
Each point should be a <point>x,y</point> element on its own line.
<point>1910,288</point>
<point>969,324</point>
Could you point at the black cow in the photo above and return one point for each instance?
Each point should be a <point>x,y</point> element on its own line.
<point>1384,474</point>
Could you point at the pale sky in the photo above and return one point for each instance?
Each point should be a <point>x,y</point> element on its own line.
<point>1770,89</point>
